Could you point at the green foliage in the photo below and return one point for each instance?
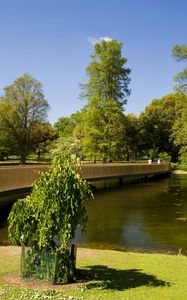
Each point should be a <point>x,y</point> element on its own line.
<point>103,131</point>
<point>21,221</point>
<point>158,122</point>
<point>70,147</point>
<point>182,164</point>
<point>45,134</point>
<point>107,90</point>
<point>180,54</point>
<point>164,156</point>
<point>132,138</point>
<point>181,78</point>
<point>108,78</point>
<point>179,132</point>
<point>65,126</point>
<point>47,219</point>
<point>22,110</point>
<point>53,210</point>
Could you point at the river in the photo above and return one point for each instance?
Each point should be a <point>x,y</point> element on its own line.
<point>143,217</point>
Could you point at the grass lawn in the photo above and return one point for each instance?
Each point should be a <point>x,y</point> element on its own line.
<point>111,274</point>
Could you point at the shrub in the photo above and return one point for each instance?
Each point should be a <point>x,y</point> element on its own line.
<point>47,219</point>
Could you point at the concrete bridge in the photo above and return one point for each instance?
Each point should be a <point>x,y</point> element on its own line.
<point>20,177</point>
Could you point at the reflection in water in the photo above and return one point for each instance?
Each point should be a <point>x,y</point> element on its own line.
<point>145,216</point>
<point>149,216</point>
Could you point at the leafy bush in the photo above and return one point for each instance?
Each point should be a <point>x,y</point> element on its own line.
<point>47,219</point>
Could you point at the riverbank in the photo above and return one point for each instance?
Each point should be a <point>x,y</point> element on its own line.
<point>106,274</point>
<point>179,172</point>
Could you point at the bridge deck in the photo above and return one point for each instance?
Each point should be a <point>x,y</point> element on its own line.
<point>18,177</point>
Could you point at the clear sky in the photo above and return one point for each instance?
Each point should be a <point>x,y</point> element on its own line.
<point>50,39</point>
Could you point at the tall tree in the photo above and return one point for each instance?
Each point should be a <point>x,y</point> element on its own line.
<point>180,54</point>
<point>22,109</point>
<point>180,128</point>
<point>106,91</point>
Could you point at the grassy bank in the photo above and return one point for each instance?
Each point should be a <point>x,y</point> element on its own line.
<point>110,274</point>
<point>180,172</point>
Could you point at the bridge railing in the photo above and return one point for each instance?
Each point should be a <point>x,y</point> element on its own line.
<point>18,177</point>
<point>102,171</point>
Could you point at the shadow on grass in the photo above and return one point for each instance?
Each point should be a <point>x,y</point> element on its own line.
<point>109,278</point>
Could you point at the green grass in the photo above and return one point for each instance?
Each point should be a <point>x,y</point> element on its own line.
<point>111,274</point>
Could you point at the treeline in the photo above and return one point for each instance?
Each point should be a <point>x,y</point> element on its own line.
<point>101,130</point>
<point>159,132</point>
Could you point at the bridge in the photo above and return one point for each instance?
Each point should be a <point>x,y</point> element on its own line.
<point>20,177</point>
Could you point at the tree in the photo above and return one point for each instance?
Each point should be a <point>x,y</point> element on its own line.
<point>158,122</point>
<point>180,128</point>
<point>46,222</point>
<point>103,132</point>
<point>44,135</point>
<point>65,126</point>
<point>132,143</point>
<point>106,92</point>
<point>69,138</point>
<point>5,150</point>
<point>22,110</point>
<point>69,146</point>
<point>179,133</point>
<point>180,54</point>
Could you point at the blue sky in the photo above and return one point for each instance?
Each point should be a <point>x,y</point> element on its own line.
<point>50,39</point>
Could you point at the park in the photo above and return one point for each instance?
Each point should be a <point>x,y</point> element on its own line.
<point>93,200</point>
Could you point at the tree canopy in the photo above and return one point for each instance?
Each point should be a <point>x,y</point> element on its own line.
<point>132,143</point>
<point>23,108</point>
<point>108,76</point>
<point>65,126</point>
<point>106,91</point>
<point>158,122</point>
<point>180,54</point>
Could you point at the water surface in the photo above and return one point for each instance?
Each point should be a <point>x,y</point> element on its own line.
<point>149,217</point>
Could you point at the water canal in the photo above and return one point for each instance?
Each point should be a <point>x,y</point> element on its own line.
<point>145,217</point>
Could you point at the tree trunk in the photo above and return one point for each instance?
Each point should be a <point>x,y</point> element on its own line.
<point>174,157</point>
<point>23,158</point>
